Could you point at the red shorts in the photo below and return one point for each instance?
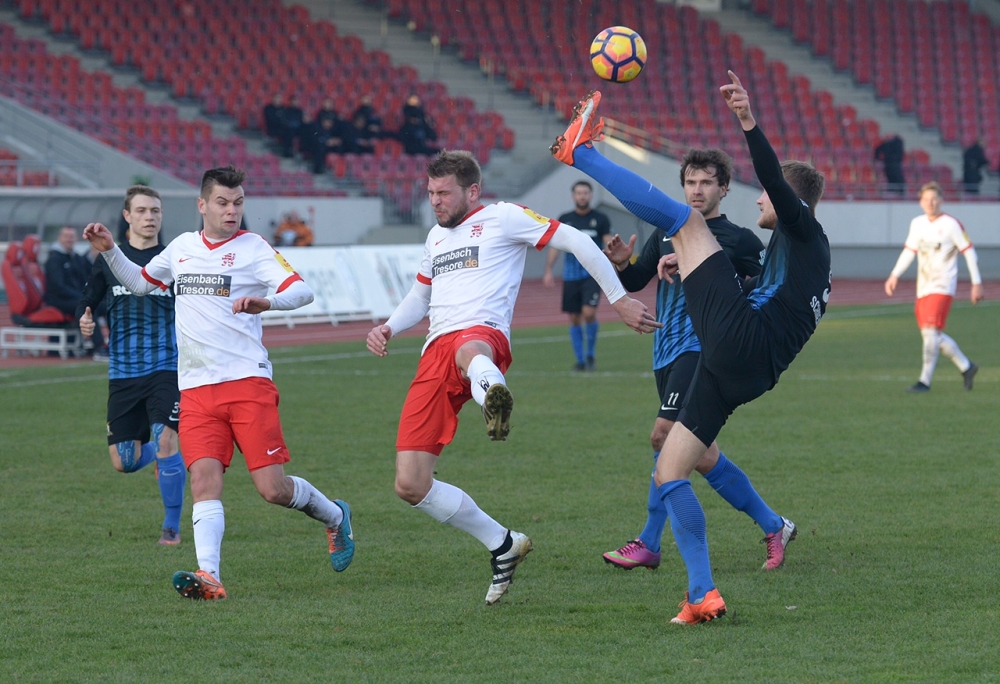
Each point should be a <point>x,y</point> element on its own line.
<point>245,411</point>
<point>437,393</point>
<point>932,311</point>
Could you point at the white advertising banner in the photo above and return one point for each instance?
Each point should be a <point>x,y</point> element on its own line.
<point>363,282</point>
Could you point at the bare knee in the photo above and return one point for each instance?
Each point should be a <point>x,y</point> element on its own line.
<point>661,428</point>
<point>411,492</point>
<point>116,461</point>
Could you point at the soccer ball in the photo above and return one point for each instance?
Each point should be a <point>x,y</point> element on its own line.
<point>618,54</point>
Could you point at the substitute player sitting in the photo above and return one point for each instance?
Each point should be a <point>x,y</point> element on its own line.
<point>467,283</point>
<point>221,277</point>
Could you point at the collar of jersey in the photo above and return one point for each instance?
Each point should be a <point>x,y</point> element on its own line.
<point>216,245</point>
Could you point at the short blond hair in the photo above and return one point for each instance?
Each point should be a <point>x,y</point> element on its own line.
<point>933,185</point>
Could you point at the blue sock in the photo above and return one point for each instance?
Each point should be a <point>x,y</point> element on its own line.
<point>576,337</point>
<point>734,486</point>
<point>172,478</point>
<point>656,515</point>
<point>592,338</point>
<point>127,455</point>
<point>632,190</point>
<point>687,522</point>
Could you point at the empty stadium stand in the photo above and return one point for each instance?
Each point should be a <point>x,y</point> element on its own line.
<point>271,49</point>
<point>680,106</point>
<point>937,61</point>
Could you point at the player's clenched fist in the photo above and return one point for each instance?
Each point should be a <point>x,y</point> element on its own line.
<point>378,338</point>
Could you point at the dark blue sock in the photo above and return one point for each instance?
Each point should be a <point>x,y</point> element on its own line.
<point>172,477</point>
<point>592,329</point>
<point>576,337</point>
<point>656,515</point>
<point>734,486</point>
<point>632,190</point>
<point>687,522</point>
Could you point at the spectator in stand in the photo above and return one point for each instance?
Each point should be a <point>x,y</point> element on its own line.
<point>327,111</point>
<point>273,118</point>
<point>416,130</point>
<point>293,232</point>
<point>357,138</point>
<point>373,122</point>
<point>891,152</point>
<point>973,161</point>
<point>66,273</point>
<point>328,137</point>
<point>292,123</point>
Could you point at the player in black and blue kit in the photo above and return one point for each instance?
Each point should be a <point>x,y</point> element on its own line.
<point>705,177</point>
<point>581,293</point>
<point>750,331</point>
<point>143,396</point>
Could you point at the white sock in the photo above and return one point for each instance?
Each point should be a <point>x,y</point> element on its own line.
<point>932,343</point>
<point>950,349</point>
<point>450,505</point>
<point>209,521</point>
<point>483,373</point>
<point>313,503</point>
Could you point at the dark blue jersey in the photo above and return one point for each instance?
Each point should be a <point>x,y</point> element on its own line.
<point>793,287</point>
<point>594,225</point>
<point>143,338</point>
<point>677,337</point>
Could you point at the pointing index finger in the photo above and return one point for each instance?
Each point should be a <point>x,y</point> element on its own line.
<point>735,78</point>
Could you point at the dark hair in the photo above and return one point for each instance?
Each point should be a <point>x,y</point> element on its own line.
<point>704,160</point>
<point>584,184</point>
<point>227,177</point>
<point>806,181</point>
<point>138,190</point>
<point>458,163</point>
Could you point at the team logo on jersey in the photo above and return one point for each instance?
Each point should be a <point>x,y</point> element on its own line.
<point>204,284</point>
<point>228,259</point>
<point>538,217</point>
<point>455,260</point>
<point>477,230</point>
<point>284,263</point>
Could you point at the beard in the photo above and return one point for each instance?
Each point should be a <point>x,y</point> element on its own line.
<point>454,218</point>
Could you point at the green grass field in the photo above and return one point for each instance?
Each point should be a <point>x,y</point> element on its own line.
<point>892,578</point>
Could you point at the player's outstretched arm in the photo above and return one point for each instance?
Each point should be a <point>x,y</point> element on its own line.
<point>378,340</point>
<point>128,273</point>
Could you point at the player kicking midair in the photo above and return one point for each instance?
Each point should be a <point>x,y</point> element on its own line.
<point>749,332</point>
<point>221,277</point>
<point>705,176</point>
<point>143,398</point>
<point>467,283</point>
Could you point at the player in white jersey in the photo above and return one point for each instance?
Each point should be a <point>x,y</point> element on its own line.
<point>221,277</point>
<point>936,239</point>
<point>468,283</point>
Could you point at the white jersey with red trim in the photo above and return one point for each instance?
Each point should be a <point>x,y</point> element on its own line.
<point>475,268</point>
<point>937,244</point>
<point>215,344</point>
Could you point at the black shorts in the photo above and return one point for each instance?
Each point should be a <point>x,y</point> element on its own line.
<point>736,364</point>
<point>580,293</point>
<point>134,404</point>
<point>672,383</point>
